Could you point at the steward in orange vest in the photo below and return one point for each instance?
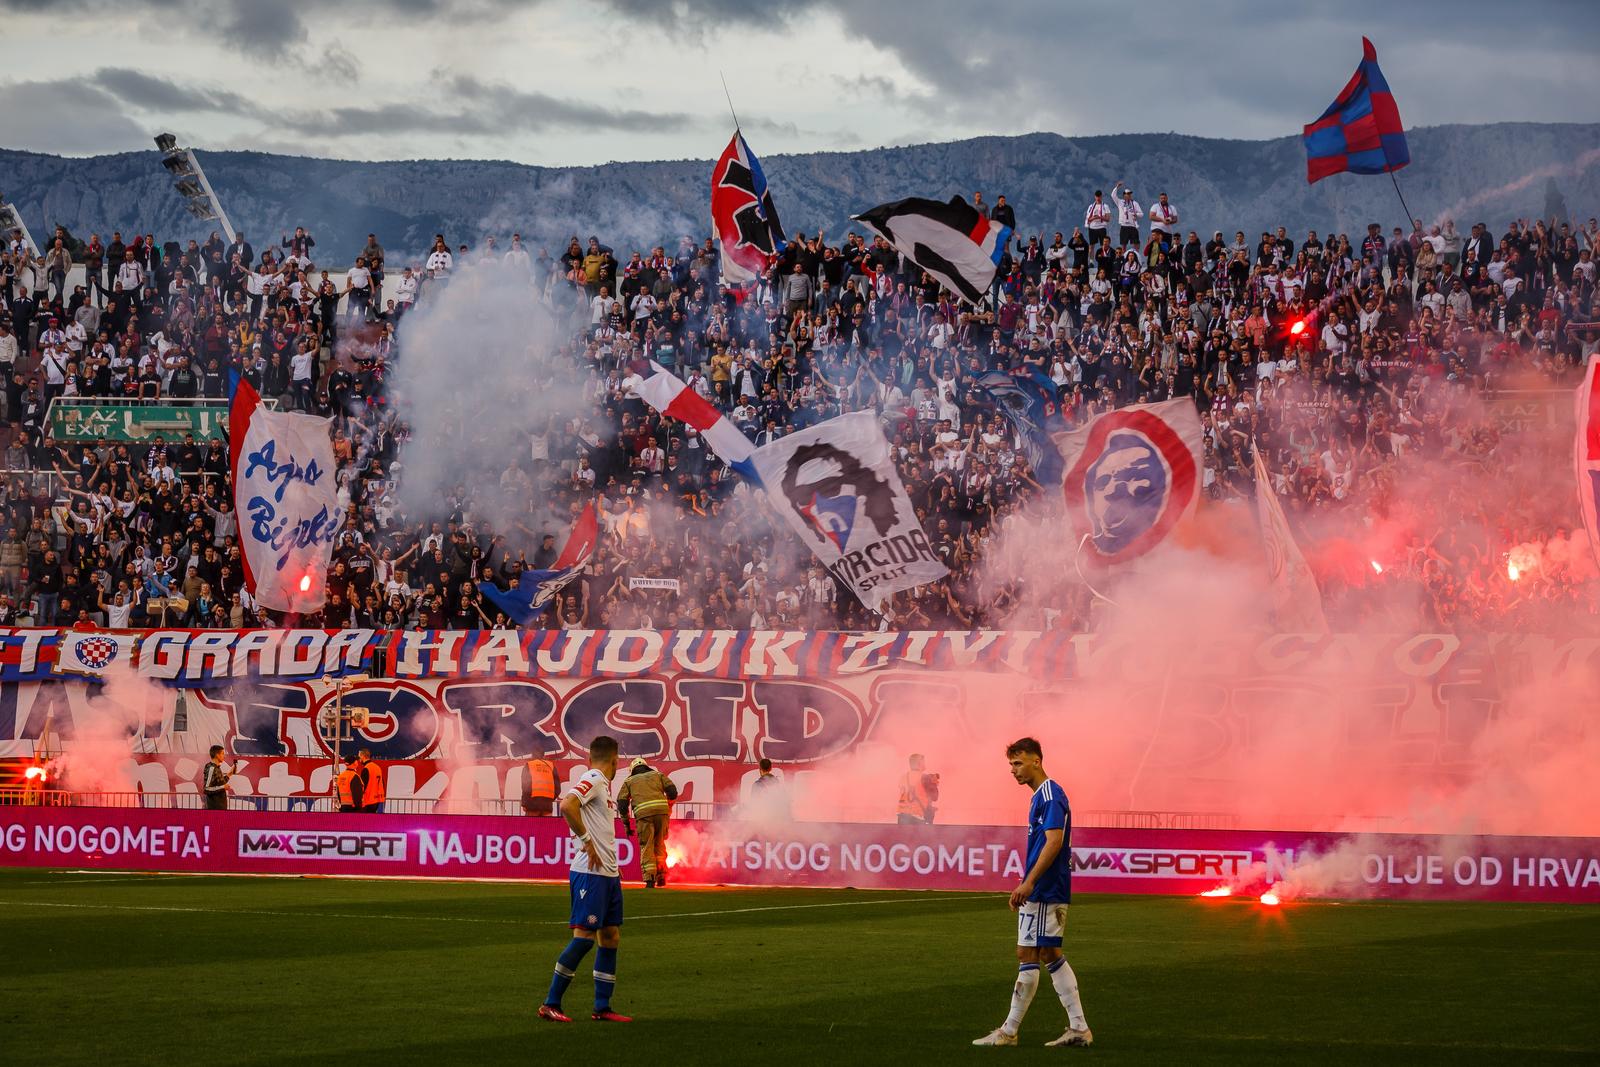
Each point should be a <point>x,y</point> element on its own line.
<point>349,785</point>
<point>372,783</point>
<point>918,791</point>
<point>539,788</point>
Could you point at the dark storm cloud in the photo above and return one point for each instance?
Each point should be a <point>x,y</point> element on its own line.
<point>70,117</point>
<point>1254,68</point>
<point>93,112</point>
<point>151,93</point>
<point>473,107</point>
<point>511,107</point>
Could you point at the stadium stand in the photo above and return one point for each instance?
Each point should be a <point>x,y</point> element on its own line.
<point>1440,351</point>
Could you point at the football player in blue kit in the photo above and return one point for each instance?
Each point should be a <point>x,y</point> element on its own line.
<point>1041,901</point>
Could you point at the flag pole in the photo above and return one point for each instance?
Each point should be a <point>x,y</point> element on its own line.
<point>1410,218</point>
<point>729,95</point>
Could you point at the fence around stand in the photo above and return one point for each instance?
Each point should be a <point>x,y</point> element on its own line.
<point>696,811</point>
<point>14,796</point>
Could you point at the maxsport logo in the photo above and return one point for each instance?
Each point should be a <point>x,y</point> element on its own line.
<point>1159,862</point>
<point>304,845</point>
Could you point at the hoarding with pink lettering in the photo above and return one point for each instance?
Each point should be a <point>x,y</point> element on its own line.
<point>972,858</point>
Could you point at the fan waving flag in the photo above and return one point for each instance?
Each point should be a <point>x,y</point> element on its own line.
<point>1586,452</point>
<point>1361,131</point>
<point>953,242</point>
<point>1132,475</point>
<point>286,501</point>
<point>1029,402</point>
<point>743,214</point>
<point>1296,599</point>
<point>537,590</point>
<point>668,394</point>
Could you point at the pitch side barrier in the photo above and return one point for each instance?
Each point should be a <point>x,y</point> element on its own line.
<point>975,858</point>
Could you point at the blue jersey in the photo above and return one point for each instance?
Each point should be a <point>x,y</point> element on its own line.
<point>1049,810</point>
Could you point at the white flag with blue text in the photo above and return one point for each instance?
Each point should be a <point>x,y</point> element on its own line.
<point>287,500</point>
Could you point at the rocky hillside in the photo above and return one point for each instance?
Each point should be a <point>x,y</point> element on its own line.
<point>1489,172</point>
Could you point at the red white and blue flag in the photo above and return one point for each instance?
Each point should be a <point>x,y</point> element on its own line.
<point>1586,452</point>
<point>954,242</point>
<point>1131,476</point>
<point>668,394</point>
<point>742,211</point>
<point>1361,131</point>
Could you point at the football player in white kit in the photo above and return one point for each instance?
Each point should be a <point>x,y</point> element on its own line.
<point>595,886</point>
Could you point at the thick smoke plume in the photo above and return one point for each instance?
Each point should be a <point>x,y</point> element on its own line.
<point>1186,703</point>
<point>479,373</point>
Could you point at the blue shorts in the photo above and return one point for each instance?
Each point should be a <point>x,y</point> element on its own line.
<point>596,900</point>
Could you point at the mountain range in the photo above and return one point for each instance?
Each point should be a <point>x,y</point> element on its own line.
<point>1492,172</point>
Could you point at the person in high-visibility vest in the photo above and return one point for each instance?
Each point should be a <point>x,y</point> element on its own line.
<point>918,791</point>
<point>651,793</point>
<point>372,783</point>
<point>349,785</point>
<point>539,787</point>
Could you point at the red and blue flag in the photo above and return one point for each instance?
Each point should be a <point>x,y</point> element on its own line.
<point>1361,131</point>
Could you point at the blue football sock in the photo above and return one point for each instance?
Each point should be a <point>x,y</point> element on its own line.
<point>605,977</point>
<point>566,966</point>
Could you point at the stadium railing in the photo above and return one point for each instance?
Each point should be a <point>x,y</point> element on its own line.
<point>14,796</point>
<point>1157,820</point>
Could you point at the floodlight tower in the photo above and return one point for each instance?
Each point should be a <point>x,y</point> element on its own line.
<point>11,219</point>
<point>191,183</point>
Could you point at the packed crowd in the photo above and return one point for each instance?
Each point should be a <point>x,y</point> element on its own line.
<point>1375,420</point>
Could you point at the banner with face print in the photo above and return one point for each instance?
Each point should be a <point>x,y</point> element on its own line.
<point>836,485</point>
<point>1132,475</point>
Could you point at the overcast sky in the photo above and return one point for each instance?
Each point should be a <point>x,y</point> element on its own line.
<point>587,81</point>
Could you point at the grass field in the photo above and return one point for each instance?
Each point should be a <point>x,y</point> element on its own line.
<point>132,969</point>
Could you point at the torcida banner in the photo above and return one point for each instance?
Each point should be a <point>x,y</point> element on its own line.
<point>974,858</point>
<point>462,712</point>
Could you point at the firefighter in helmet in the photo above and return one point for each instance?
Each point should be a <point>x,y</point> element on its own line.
<point>651,794</point>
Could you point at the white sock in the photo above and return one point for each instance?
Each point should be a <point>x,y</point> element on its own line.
<point>1066,984</point>
<point>1021,996</point>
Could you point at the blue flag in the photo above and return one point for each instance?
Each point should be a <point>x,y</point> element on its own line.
<point>535,592</point>
<point>1029,402</point>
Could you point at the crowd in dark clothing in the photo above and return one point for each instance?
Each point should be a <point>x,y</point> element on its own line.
<point>1391,387</point>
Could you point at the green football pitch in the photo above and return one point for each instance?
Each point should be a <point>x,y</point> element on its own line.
<point>124,969</point>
